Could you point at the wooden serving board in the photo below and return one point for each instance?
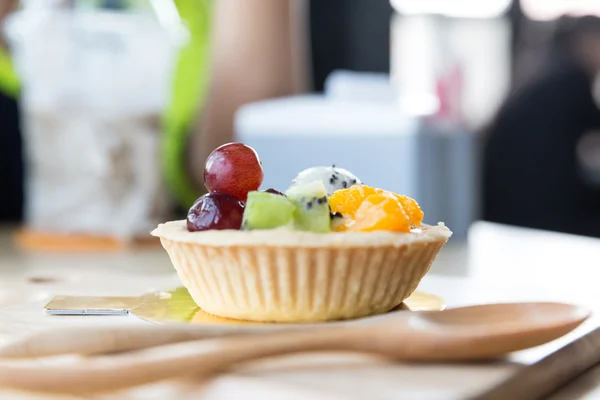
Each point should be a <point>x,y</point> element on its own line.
<point>541,371</point>
<point>353,377</point>
<point>558,364</point>
<point>548,375</point>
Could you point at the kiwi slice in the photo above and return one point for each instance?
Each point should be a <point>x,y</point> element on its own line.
<point>266,210</point>
<point>312,212</point>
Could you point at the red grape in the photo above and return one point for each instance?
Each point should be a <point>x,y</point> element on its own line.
<point>233,168</point>
<point>215,211</point>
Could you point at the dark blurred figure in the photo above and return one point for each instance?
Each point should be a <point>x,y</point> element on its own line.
<point>11,162</point>
<point>531,169</point>
<point>11,168</point>
<point>349,34</point>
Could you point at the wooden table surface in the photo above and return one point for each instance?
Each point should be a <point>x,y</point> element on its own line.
<point>497,264</point>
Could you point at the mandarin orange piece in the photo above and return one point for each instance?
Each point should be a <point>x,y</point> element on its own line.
<point>381,212</point>
<point>369,209</point>
<point>412,209</point>
<point>347,201</point>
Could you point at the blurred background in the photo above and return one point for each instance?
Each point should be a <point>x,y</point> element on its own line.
<point>478,109</point>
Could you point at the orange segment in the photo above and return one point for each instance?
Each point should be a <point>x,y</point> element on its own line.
<point>369,209</point>
<point>381,212</point>
<point>412,209</point>
<point>347,201</point>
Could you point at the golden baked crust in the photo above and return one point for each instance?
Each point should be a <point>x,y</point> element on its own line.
<point>290,276</point>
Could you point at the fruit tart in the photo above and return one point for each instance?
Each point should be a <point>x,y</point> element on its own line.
<point>327,248</point>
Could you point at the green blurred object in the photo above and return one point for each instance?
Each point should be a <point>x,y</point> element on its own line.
<point>9,81</point>
<point>190,85</point>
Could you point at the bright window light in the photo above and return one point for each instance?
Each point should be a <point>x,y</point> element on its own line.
<point>455,8</point>
<point>545,10</point>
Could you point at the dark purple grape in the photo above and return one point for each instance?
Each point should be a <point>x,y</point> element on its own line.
<point>274,191</point>
<point>215,211</point>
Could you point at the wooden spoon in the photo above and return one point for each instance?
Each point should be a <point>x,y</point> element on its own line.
<point>101,340</point>
<point>459,334</point>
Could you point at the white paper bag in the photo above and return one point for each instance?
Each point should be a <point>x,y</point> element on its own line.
<point>94,86</point>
